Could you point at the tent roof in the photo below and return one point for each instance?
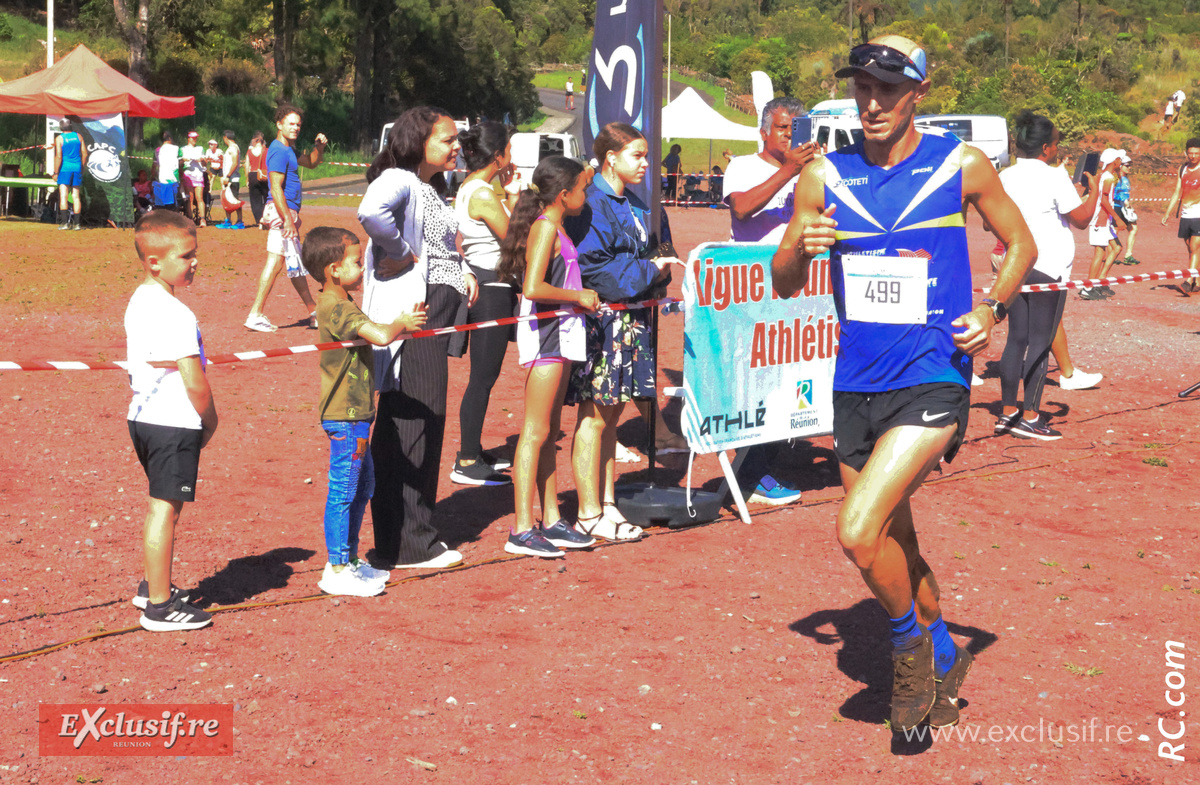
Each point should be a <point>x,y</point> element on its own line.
<point>83,84</point>
<point>689,117</point>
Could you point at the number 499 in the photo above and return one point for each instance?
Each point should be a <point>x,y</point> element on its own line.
<point>883,292</point>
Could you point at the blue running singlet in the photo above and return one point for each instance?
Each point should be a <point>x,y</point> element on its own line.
<point>72,158</point>
<point>900,269</point>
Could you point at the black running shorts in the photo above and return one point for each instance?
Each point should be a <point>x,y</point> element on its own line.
<point>170,457</point>
<point>861,419</point>
<point>1189,227</point>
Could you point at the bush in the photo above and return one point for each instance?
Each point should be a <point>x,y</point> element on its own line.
<point>6,31</point>
<point>175,76</point>
<point>236,77</point>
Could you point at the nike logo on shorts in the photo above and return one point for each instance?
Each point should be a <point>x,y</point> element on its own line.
<point>927,417</point>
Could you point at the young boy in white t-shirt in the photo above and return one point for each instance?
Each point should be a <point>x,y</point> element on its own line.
<point>172,414</point>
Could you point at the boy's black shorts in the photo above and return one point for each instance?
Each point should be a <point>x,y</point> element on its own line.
<point>171,458</point>
<point>861,419</point>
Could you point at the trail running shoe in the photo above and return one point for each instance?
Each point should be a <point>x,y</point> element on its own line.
<point>945,706</point>
<point>175,614</point>
<point>532,543</point>
<point>564,535</point>
<point>1106,291</point>
<point>913,685</point>
<point>142,598</point>
<point>1090,294</point>
<point>1038,429</point>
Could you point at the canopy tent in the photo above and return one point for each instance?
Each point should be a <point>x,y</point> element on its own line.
<point>84,85</point>
<point>689,117</point>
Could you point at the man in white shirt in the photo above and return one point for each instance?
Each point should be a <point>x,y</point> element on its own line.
<point>760,192</point>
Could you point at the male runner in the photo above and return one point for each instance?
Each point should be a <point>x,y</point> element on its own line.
<point>1187,198</point>
<point>759,190</point>
<point>889,209</point>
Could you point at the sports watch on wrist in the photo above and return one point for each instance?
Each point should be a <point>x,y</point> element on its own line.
<point>999,311</point>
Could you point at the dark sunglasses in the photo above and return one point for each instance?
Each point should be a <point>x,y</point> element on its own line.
<point>885,57</point>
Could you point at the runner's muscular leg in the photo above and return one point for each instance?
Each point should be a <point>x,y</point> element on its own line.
<point>874,524</point>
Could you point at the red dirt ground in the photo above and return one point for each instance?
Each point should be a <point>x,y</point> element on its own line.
<point>1065,567</point>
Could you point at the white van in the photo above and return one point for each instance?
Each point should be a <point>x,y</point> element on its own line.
<point>453,179</point>
<point>835,124</point>
<point>528,148</point>
<point>989,133</point>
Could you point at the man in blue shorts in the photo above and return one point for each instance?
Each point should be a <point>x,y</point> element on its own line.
<point>890,210</point>
<point>70,159</point>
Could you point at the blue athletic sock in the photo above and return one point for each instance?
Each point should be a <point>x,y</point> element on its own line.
<point>905,630</point>
<point>945,654</point>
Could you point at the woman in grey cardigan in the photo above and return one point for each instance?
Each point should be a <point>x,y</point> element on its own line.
<point>411,257</point>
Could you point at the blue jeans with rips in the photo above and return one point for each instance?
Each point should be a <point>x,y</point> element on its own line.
<point>351,485</point>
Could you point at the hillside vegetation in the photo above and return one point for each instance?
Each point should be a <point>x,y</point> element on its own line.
<point>1091,65</point>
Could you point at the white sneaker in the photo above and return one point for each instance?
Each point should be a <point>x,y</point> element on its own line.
<point>975,380</point>
<point>448,558</point>
<point>370,573</point>
<point>1080,380</point>
<point>625,455</point>
<point>347,583</point>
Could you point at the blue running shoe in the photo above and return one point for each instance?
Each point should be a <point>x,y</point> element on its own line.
<point>769,491</point>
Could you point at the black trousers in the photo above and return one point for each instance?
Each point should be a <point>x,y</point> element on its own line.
<point>1032,322</point>
<point>260,191</point>
<point>407,443</point>
<point>488,348</point>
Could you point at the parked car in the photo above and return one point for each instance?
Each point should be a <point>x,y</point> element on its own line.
<point>987,132</point>
<point>453,179</point>
<point>835,124</point>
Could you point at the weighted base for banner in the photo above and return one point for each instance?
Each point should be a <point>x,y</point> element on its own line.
<point>645,504</point>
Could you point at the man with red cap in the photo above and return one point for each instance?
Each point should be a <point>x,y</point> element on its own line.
<point>890,211</point>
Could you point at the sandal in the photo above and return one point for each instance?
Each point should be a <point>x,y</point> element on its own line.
<point>612,512</point>
<point>607,529</point>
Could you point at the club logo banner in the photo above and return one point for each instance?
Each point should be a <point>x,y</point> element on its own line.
<point>622,74</point>
<point>757,367</point>
<point>108,188</point>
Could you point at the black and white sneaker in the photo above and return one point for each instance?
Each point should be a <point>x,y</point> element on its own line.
<point>1090,294</point>
<point>495,461</point>
<point>1005,423</point>
<point>175,614</point>
<point>564,535</point>
<point>532,543</point>
<point>478,473</point>
<point>1038,429</point>
<point>142,598</point>
<point>1106,292</point>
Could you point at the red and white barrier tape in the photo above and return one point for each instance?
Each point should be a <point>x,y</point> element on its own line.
<point>219,359</point>
<point>1090,282</point>
<point>345,163</point>
<point>23,149</point>
<point>327,193</point>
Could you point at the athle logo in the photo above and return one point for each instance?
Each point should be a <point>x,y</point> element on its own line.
<point>804,394</point>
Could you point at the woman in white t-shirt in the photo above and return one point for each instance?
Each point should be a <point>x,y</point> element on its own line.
<point>483,221</point>
<point>192,156</point>
<point>1049,204</point>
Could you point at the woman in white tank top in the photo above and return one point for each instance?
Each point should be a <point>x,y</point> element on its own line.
<point>483,214</point>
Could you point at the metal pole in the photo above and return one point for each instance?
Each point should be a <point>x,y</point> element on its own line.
<point>49,62</point>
